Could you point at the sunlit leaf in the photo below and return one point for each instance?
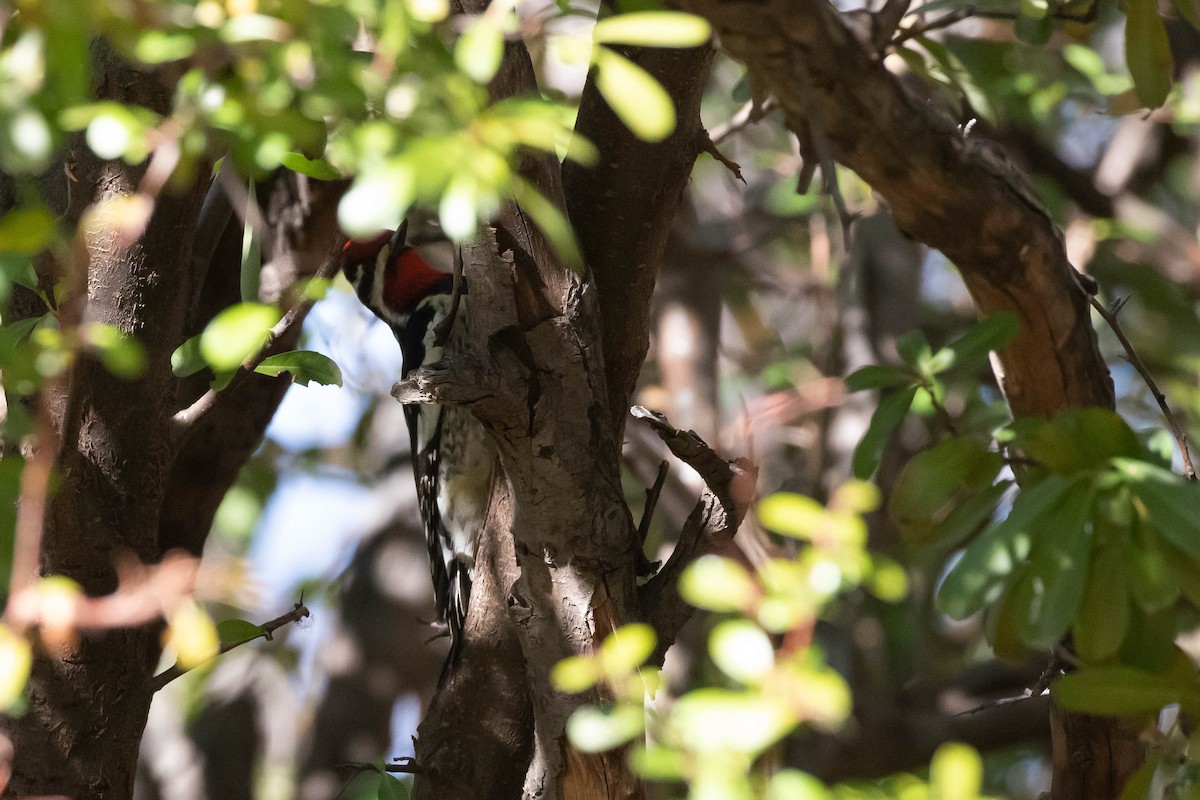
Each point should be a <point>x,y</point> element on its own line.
<point>306,366</point>
<point>637,98</point>
<point>314,168</point>
<point>237,333</point>
<point>792,514</point>
<point>479,50</point>
<point>26,230</point>
<point>653,29</point>
<point>657,763</point>
<point>956,772</point>
<point>626,648</point>
<point>576,674</point>
<point>716,720</point>
<point>187,359</point>
<point>742,650</point>
<point>456,212</point>
<point>718,584</point>
<point>1170,502</point>
<point>121,354</point>
<point>792,784</point>
<point>855,497</point>
<point>888,581</point>
<point>978,577</point>
<point>1050,589</point>
<point>192,635</point>
<point>594,730</point>
<point>376,201</point>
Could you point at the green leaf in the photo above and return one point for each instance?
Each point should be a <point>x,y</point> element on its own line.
<point>718,584</point>
<point>1152,582</point>
<point>479,50</point>
<point>634,95</point>
<point>710,721</point>
<point>317,168</point>
<point>251,263</point>
<point>792,784</point>
<point>913,347</point>
<point>993,333</point>
<point>456,212</point>
<point>1050,589</point>
<point>1115,691</point>
<point>121,354</point>
<point>27,230</point>
<point>187,360</point>
<point>392,788</point>
<point>626,649</point>
<point>305,366</point>
<point>576,674</point>
<point>1103,618</point>
<point>978,577</point>
<point>1187,10</point>
<point>955,772</point>
<point>1139,786</point>
<point>550,221</point>
<point>653,29</point>
<point>891,411</point>
<point>1170,503</point>
<point>874,376</point>
<point>657,763</point>
<point>1076,439</point>
<point>235,631</point>
<point>741,650</point>
<point>237,333</point>
<point>933,484</point>
<point>1148,52</point>
<point>593,729</point>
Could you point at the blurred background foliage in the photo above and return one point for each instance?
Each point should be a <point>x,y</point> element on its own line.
<point>826,660</point>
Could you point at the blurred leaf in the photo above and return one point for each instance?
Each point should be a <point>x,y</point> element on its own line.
<point>741,650</point>
<point>251,263</point>
<point>978,577</point>
<point>1187,10</point>
<point>1152,583</point>
<point>626,649</point>
<point>634,95</point>
<point>874,376</point>
<point>855,497</point>
<point>791,514</point>
<point>314,168</point>
<point>891,411</point>
<point>480,48</point>
<point>551,222</point>
<point>711,721</point>
<point>392,788</point>
<point>27,230</point>
<point>1148,52</point>
<point>718,584</point>
<point>576,674</point>
<point>121,354</point>
<point>792,784</point>
<point>235,631</point>
<point>16,660</point>
<point>913,347</point>
<point>956,772</point>
<point>192,635</point>
<point>376,201</point>
<point>457,212</point>
<point>593,729</point>
<point>305,366</point>
<point>653,29</point>
<point>1115,690</point>
<point>237,333</point>
<point>888,581</point>
<point>187,359</point>
<point>657,763</point>
<point>1139,786</point>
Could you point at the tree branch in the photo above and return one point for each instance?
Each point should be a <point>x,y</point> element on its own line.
<point>711,525</point>
<point>298,612</point>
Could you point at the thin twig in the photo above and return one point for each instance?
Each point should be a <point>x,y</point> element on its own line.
<point>1110,318</point>
<point>710,147</point>
<point>186,420</point>
<point>298,612</point>
<point>441,333</point>
<point>971,12</point>
<point>743,118</point>
<point>652,495</point>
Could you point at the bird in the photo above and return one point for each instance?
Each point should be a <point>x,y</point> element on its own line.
<point>453,456</point>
